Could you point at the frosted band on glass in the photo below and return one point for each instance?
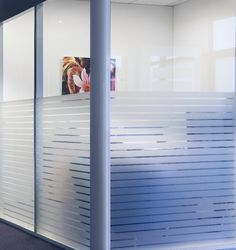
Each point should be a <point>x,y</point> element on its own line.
<point>172,172</point>
<point>172,168</point>
<point>17,163</point>
<point>64,169</point>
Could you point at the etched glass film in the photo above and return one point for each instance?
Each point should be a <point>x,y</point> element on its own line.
<point>64,170</point>
<point>172,168</point>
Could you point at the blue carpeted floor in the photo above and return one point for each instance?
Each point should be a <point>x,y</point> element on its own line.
<point>15,239</point>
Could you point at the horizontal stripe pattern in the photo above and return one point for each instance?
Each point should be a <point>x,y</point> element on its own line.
<point>172,168</point>
<point>64,170</point>
<point>17,162</point>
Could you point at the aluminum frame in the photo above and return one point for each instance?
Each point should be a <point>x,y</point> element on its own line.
<point>100,21</point>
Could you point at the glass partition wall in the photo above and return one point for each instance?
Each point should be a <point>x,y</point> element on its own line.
<point>64,125</point>
<point>172,124</point>
<point>16,126</point>
<point>45,131</point>
<point>172,70</point>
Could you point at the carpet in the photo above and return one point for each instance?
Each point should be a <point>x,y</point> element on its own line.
<point>14,239</point>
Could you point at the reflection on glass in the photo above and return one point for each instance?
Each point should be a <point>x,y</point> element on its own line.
<point>177,48</point>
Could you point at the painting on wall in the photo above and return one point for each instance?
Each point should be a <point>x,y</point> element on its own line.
<point>76,75</point>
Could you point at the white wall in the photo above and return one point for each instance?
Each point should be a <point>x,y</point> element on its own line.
<point>142,38</point>
<point>141,43</point>
<point>18,57</point>
<point>204,45</point>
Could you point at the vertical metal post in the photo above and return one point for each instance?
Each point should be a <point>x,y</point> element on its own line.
<point>38,92</point>
<point>1,61</point>
<point>100,16</point>
<point>1,99</point>
<point>39,51</point>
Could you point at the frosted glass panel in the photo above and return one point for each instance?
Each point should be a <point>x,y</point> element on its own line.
<point>172,157</point>
<point>17,163</point>
<point>64,170</point>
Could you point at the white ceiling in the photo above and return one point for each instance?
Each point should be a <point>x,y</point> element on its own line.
<point>151,2</point>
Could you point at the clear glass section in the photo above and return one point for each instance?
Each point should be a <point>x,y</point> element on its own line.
<point>66,44</point>
<point>185,46</point>
<point>204,46</point>
<point>16,121</point>
<point>18,57</point>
